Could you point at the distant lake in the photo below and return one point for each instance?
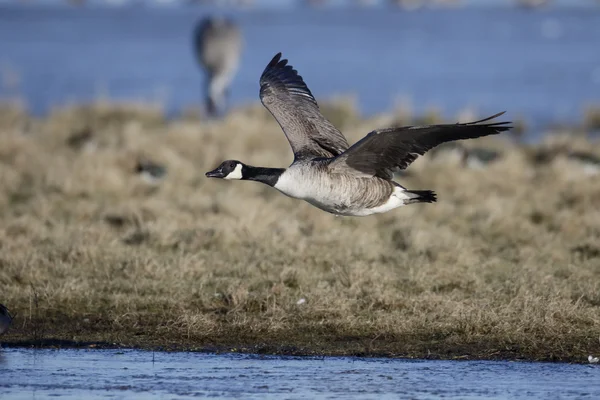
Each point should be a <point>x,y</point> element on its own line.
<point>122,374</point>
<point>541,65</point>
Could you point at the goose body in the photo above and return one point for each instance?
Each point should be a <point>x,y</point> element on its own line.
<point>218,45</point>
<point>340,194</point>
<point>327,172</point>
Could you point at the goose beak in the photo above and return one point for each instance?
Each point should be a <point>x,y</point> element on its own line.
<point>215,173</point>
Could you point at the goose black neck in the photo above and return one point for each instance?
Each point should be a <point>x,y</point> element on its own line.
<point>268,176</point>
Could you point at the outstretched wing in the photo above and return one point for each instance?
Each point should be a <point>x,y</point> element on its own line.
<point>385,150</point>
<point>286,96</point>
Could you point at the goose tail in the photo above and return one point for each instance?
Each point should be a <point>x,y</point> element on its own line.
<point>420,196</point>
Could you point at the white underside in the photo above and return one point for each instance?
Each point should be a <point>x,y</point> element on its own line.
<point>149,178</point>
<point>591,169</point>
<point>396,200</point>
<point>220,82</point>
<point>320,195</point>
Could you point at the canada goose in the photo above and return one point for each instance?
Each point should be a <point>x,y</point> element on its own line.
<point>475,157</point>
<point>408,4</point>
<point>218,45</point>
<point>588,163</point>
<point>82,140</point>
<point>5,319</point>
<point>327,172</point>
<point>315,3</point>
<point>530,4</point>
<point>150,171</point>
<point>480,157</point>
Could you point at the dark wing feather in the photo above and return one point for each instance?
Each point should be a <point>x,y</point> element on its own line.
<point>385,150</point>
<point>286,96</point>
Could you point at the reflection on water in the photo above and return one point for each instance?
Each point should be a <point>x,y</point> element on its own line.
<point>543,65</point>
<point>29,374</point>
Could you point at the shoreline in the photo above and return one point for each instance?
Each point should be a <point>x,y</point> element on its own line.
<point>374,346</point>
<point>289,350</point>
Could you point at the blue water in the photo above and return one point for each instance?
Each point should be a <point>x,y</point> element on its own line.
<point>102,374</point>
<point>543,65</point>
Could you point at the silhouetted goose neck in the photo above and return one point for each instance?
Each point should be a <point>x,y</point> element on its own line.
<point>269,176</point>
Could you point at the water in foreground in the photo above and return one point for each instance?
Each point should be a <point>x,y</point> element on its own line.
<point>27,374</point>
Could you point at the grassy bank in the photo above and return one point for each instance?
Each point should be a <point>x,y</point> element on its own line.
<point>505,265</point>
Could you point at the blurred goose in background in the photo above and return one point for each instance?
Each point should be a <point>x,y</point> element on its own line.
<point>218,45</point>
<point>474,157</point>
<point>532,3</point>
<point>82,139</point>
<point>408,4</point>
<point>588,162</point>
<point>149,171</point>
<point>327,172</point>
<point>315,3</point>
<point>365,3</point>
<point>5,319</point>
<point>479,157</point>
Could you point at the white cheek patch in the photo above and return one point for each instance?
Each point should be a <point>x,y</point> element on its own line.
<point>236,173</point>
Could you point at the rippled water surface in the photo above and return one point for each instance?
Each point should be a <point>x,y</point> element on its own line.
<point>542,65</point>
<point>115,374</point>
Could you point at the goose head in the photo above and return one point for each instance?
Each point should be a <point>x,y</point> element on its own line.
<point>230,169</point>
<point>233,169</point>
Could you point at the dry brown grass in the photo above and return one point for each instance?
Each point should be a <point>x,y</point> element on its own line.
<point>505,265</point>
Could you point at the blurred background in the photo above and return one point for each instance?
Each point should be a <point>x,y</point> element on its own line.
<point>112,111</point>
<point>540,60</point>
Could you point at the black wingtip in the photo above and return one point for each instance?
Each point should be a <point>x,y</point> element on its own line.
<point>275,60</point>
<point>490,118</point>
<point>496,126</point>
<point>503,128</point>
<point>281,77</point>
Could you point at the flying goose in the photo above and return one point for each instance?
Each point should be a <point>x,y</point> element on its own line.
<point>218,45</point>
<point>327,172</point>
<point>474,157</point>
<point>5,319</point>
